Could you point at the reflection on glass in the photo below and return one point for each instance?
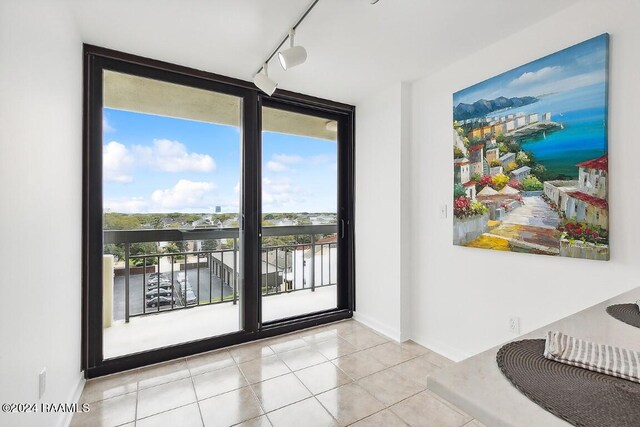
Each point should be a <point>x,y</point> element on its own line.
<point>299,200</point>
<point>171,162</point>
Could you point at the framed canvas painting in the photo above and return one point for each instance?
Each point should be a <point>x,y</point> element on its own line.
<point>530,157</point>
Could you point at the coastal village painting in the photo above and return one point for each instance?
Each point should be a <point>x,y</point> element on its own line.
<point>530,157</point>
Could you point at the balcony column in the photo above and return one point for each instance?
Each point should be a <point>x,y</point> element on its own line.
<point>107,290</point>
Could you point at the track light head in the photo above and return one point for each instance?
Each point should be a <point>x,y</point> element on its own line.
<point>263,82</point>
<point>293,56</point>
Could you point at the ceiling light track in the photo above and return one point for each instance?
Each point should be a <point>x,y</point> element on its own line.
<point>294,55</point>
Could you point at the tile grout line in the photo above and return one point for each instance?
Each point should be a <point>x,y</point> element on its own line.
<point>195,393</point>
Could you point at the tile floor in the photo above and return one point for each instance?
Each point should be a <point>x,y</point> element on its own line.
<point>334,375</point>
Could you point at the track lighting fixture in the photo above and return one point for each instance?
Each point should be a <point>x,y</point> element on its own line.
<point>263,82</point>
<point>293,56</point>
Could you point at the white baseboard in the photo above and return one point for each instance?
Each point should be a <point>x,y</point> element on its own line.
<point>445,350</point>
<point>66,417</point>
<point>378,326</point>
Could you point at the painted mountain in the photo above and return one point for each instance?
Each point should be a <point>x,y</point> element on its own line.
<point>483,107</point>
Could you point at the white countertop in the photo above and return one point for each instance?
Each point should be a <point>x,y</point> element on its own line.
<point>477,386</point>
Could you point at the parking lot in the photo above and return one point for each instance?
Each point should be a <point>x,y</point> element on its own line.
<point>137,291</point>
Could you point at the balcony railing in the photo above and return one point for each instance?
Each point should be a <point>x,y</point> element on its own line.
<point>186,275</point>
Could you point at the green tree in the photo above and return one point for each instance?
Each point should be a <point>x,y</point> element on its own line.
<point>459,190</point>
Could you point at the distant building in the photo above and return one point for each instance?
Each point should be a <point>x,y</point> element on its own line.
<point>521,122</point>
<point>461,172</point>
<point>520,173</point>
<point>592,176</point>
<point>533,118</point>
<point>510,125</point>
<point>476,159</point>
<point>584,200</point>
<point>546,117</point>
<point>559,192</point>
<point>507,158</point>
<point>218,209</point>
<point>589,203</point>
<point>493,153</point>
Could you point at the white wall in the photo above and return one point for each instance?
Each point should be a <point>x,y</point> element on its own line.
<point>462,297</point>
<point>40,200</point>
<point>381,136</point>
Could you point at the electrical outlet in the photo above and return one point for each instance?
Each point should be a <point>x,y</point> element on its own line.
<point>443,211</point>
<point>514,325</point>
<point>42,382</point>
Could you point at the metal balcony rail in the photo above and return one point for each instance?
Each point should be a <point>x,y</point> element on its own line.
<point>285,268</point>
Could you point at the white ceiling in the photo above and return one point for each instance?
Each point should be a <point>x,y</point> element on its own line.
<point>354,48</point>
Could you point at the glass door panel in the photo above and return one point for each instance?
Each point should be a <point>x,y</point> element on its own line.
<point>299,252</point>
<point>171,199</point>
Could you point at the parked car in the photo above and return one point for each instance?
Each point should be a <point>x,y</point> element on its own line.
<point>153,302</point>
<point>191,297</point>
<point>162,283</point>
<point>164,292</point>
<point>163,275</point>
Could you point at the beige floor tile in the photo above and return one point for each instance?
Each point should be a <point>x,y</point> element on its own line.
<point>318,335</point>
<point>426,411</point>
<point>263,369</point>
<point>414,347</point>
<point>358,365</point>
<point>185,416</point>
<point>278,392</point>
<point>323,377</point>
<point>218,382</point>
<point>349,403</point>
<point>164,397</point>
<point>286,343</point>
<point>390,353</point>
<point>162,373</point>
<point>334,348</point>
<point>246,352</point>
<point>230,408</point>
<point>474,423</point>
<point>389,387</point>
<point>207,362</point>
<point>108,413</point>
<point>301,358</point>
<point>437,359</point>
<point>384,418</point>
<point>348,327</point>
<point>416,370</point>
<point>261,421</point>
<point>363,339</point>
<point>109,386</point>
<point>308,413</point>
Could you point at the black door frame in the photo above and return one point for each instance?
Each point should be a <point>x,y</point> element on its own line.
<point>97,59</point>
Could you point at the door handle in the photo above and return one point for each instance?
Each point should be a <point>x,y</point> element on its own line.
<point>342,228</point>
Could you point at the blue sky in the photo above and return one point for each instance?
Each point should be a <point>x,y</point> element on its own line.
<point>162,164</point>
<point>578,66</point>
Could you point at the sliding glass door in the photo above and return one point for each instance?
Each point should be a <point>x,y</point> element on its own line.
<point>299,251</point>
<point>171,172</point>
<point>213,214</point>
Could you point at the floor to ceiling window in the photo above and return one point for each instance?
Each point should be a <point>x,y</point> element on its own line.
<point>214,214</point>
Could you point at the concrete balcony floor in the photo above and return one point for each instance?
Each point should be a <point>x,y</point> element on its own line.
<point>179,326</point>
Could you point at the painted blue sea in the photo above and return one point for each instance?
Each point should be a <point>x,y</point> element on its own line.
<point>582,113</point>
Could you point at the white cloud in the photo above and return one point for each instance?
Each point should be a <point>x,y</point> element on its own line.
<point>287,158</point>
<point>172,156</point>
<point>106,126</point>
<point>276,166</point>
<point>536,76</point>
<point>126,205</point>
<point>116,163</point>
<point>185,195</point>
<point>279,194</point>
<point>321,158</point>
